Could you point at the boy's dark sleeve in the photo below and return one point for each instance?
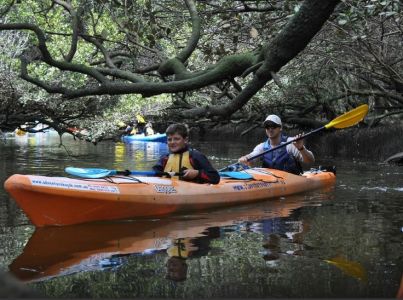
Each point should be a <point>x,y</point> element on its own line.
<point>207,174</point>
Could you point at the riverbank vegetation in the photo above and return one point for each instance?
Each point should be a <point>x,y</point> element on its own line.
<point>212,64</point>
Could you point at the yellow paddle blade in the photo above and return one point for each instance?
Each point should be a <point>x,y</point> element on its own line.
<point>351,268</point>
<point>349,118</point>
<point>20,132</point>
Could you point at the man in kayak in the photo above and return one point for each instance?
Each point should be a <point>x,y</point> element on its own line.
<point>182,159</point>
<point>288,158</point>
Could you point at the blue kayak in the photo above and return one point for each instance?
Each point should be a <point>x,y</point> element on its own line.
<point>159,137</point>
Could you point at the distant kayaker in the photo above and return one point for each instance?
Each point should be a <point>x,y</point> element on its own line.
<point>182,159</point>
<point>140,124</point>
<point>148,129</point>
<point>131,128</point>
<point>287,158</point>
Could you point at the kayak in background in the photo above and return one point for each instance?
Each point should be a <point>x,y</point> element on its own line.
<point>65,201</point>
<point>159,137</point>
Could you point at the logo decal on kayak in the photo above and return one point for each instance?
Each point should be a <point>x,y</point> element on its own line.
<point>165,189</point>
<point>250,186</point>
<point>75,186</point>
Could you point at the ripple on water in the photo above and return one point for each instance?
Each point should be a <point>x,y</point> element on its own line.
<point>382,188</point>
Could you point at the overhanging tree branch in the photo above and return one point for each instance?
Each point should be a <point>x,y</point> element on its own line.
<point>275,54</point>
<point>47,57</point>
<point>196,28</point>
<point>74,25</point>
<point>285,46</point>
<point>228,67</point>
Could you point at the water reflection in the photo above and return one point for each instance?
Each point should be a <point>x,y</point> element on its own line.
<point>137,155</point>
<point>32,139</point>
<point>183,249</point>
<point>57,251</point>
<point>140,151</point>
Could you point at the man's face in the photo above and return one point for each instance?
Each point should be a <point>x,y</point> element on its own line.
<point>273,130</point>
<point>176,142</point>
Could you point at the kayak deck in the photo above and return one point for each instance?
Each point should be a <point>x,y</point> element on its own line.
<point>64,201</point>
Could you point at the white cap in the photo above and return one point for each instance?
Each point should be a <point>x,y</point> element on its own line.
<point>272,118</point>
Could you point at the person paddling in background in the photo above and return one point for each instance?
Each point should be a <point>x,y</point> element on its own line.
<point>148,129</point>
<point>181,158</point>
<point>288,158</point>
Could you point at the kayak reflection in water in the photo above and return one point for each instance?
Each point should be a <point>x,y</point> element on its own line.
<point>182,159</point>
<point>288,158</point>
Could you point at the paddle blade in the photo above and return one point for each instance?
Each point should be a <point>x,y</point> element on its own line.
<point>349,118</point>
<point>100,173</point>
<point>351,268</point>
<point>236,175</point>
<point>89,172</point>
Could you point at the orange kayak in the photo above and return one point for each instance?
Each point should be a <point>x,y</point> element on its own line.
<point>65,201</point>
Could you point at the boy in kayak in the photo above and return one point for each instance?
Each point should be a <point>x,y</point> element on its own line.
<point>182,159</point>
<point>183,249</point>
<point>288,158</point>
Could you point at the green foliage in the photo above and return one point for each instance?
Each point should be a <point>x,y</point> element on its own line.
<point>355,11</point>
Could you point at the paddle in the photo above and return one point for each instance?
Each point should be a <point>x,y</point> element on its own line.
<point>351,268</point>
<point>347,119</point>
<point>100,173</point>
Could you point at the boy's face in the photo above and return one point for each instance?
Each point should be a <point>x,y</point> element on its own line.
<point>176,269</point>
<point>176,142</point>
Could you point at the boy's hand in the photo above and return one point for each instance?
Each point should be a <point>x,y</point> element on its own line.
<point>190,174</point>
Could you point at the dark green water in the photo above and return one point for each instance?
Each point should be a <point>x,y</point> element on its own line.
<point>342,242</point>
